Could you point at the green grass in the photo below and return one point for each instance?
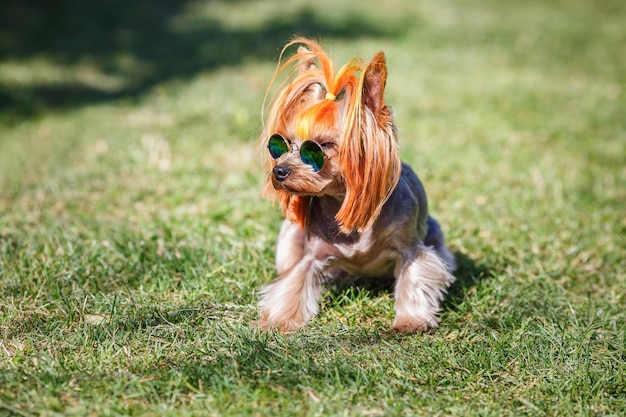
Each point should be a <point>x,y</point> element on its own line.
<point>134,239</point>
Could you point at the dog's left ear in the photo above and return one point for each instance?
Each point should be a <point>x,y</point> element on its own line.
<point>374,84</point>
<point>370,160</point>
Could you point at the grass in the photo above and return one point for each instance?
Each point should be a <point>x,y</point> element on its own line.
<point>133,238</point>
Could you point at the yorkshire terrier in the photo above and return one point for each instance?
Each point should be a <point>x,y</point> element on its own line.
<point>350,205</point>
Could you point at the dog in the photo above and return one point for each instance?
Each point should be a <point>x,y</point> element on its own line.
<point>351,206</point>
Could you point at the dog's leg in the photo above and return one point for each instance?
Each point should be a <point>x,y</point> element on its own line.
<point>434,238</point>
<point>422,278</point>
<point>292,300</point>
<point>289,246</point>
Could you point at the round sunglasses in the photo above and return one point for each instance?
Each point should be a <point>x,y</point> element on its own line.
<point>310,152</point>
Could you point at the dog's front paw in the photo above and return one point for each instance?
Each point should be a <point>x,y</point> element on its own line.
<point>283,326</point>
<point>406,324</point>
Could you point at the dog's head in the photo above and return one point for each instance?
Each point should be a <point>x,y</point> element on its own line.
<point>331,134</point>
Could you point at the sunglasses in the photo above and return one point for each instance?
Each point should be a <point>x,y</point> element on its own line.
<point>310,152</point>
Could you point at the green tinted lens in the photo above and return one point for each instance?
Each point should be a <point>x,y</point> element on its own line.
<point>277,146</point>
<point>312,154</point>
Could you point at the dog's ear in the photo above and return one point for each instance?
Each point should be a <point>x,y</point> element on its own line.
<point>374,84</point>
<point>306,61</point>
<point>369,158</point>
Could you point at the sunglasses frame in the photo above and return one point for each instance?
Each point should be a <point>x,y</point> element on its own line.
<point>309,158</point>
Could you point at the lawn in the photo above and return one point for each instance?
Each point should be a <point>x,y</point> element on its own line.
<point>134,236</point>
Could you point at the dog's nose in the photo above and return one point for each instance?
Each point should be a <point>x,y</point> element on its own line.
<point>281,172</point>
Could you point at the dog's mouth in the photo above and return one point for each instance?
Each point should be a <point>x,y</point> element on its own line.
<point>283,186</point>
<point>309,186</point>
<point>292,186</point>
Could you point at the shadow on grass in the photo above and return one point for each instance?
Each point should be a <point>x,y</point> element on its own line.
<point>468,274</point>
<point>355,285</point>
<point>138,44</point>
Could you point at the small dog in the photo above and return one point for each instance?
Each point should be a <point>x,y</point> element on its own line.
<point>351,206</point>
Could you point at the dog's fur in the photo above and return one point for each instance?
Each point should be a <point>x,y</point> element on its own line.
<point>364,213</point>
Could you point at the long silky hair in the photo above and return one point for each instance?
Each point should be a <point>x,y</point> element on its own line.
<point>368,157</point>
